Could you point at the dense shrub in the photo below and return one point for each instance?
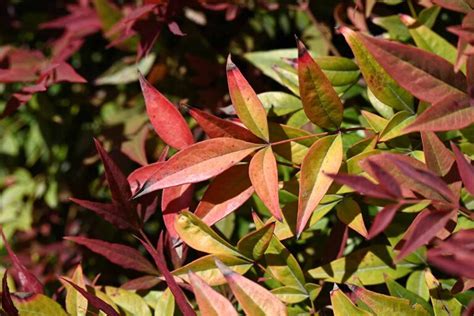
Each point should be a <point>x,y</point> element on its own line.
<point>344,187</point>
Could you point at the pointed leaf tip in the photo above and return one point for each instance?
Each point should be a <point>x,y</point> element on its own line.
<point>301,47</point>
<point>230,64</point>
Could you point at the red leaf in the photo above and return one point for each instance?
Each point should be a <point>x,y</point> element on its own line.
<point>141,283</point>
<point>7,303</point>
<point>173,201</point>
<point>362,185</point>
<point>451,113</point>
<point>216,127</point>
<point>168,123</point>
<point>383,219</point>
<point>175,29</point>
<point>107,211</point>
<point>160,262</point>
<point>121,255</point>
<point>119,187</point>
<point>227,192</point>
<point>264,177</point>
<point>425,227</point>
<point>198,162</point>
<point>425,75</point>
<point>465,169</point>
<point>385,179</point>
<point>427,179</point>
<point>455,5</point>
<point>455,255</point>
<point>139,176</point>
<point>94,300</point>
<point>28,282</point>
<point>438,158</point>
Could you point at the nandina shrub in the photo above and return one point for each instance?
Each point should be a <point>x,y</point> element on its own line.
<point>353,194</point>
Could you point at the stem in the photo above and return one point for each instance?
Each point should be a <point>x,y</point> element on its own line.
<point>316,24</point>
<point>412,9</point>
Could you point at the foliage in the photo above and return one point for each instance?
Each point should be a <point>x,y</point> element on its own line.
<point>350,192</point>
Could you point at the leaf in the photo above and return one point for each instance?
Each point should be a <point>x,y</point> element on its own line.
<point>28,281</point>
<point>290,295</point>
<point>424,228</point>
<point>442,301</point>
<point>173,201</point>
<point>428,40</point>
<point>397,290</point>
<point>455,5</point>
<point>425,75</point>
<point>139,176</point>
<point>368,266</point>
<point>454,255</point>
<point>254,244</point>
<point>396,126</point>
<point>342,305</point>
<point>39,305</point>
<point>206,269</point>
<point>280,103</point>
<point>160,262</point>
<point>197,235</point>
<point>210,302</point>
<point>246,103</point>
<point>198,162</point>
<point>216,127</point>
<point>118,254</point>
<point>126,71</point>
<point>7,303</point>
<point>263,174</point>
<point>380,83</point>
<point>450,113</point>
<point>76,304</point>
<point>320,102</point>
<point>324,156</point>
<point>362,185</point>
<point>165,305</point>
<point>130,302</point>
<point>416,283</point>
<point>227,192</point>
<point>383,219</point>
<point>382,304</point>
<point>349,212</point>
<point>376,122</point>
<point>438,158</point>
<point>465,169</point>
<point>93,300</point>
<point>254,299</point>
<point>168,123</point>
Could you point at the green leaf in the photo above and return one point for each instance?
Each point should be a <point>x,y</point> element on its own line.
<point>165,304</point>
<point>320,102</point>
<point>37,305</point>
<point>131,303</point>
<point>396,29</point>
<point>349,212</point>
<point>378,80</point>
<point>126,71</point>
<point>368,266</point>
<point>342,305</point>
<point>396,126</point>
<point>397,290</point>
<point>289,294</point>
<point>254,244</point>
<point>197,235</point>
<point>280,103</point>
<point>206,269</point>
<point>416,283</point>
<point>324,156</point>
<point>382,304</point>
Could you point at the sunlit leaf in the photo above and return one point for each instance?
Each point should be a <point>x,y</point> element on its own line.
<point>342,305</point>
<point>246,103</point>
<point>210,302</point>
<point>254,244</point>
<point>441,299</point>
<point>130,302</point>
<point>320,102</point>
<point>165,305</point>
<point>396,126</point>
<point>397,290</point>
<point>349,212</point>
<point>280,103</point>
<point>40,305</point>
<point>325,156</point>
<point>290,295</point>
<point>263,174</point>
<point>254,299</point>
<point>76,304</point>
<point>438,158</point>
<point>465,169</point>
